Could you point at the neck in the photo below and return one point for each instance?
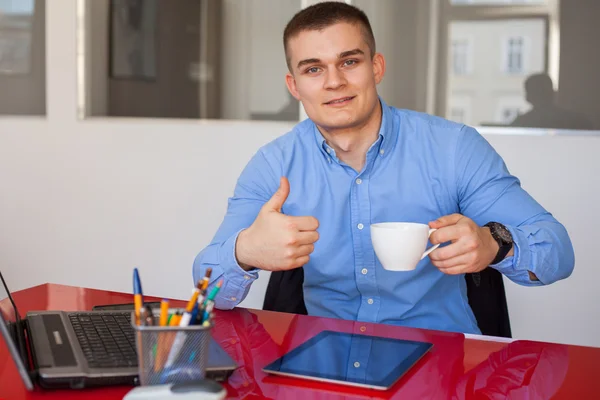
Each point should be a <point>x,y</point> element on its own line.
<point>351,144</point>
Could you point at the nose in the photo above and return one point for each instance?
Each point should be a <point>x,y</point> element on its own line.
<point>334,79</point>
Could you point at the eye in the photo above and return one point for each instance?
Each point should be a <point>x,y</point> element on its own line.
<point>312,70</point>
<point>348,63</point>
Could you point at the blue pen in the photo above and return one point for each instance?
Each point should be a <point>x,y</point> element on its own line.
<point>138,299</point>
<point>194,314</point>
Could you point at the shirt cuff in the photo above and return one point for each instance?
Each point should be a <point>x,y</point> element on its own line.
<point>518,266</point>
<point>237,281</point>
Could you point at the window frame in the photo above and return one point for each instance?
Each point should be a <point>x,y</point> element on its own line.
<point>449,13</point>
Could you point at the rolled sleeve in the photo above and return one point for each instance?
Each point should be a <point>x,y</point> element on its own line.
<point>488,192</point>
<point>255,186</point>
<point>543,248</point>
<point>237,281</point>
<point>518,266</point>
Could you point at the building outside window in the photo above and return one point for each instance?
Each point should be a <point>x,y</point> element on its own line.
<point>515,49</point>
<point>461,54</point>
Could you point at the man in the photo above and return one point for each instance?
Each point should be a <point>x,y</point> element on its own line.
<point>307,199</point>
<point>545,112</point>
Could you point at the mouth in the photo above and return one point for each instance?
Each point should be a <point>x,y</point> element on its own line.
<point>340,102</point>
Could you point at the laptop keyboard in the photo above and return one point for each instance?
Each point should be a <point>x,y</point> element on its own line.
<point>107,340</point>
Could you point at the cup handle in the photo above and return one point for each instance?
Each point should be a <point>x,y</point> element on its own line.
<point>432,248</point>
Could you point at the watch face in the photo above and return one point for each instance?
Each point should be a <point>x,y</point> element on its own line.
<point>503,233</point>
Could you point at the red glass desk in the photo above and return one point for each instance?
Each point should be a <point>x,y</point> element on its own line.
<point>458,366</point>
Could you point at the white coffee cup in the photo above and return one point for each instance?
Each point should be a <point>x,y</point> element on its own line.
<point>400,246</point>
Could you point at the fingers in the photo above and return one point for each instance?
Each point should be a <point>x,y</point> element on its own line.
<point>446,234</point>
<point>453,250</point>
<point>305,250</point>
<point>307,237</point>
<point>446,220</point>
<point>298,251</point>
<point>457,270</point>
<point>297,258</point>
<point>301,261</point>
<point>449,263</point>
<point>276,201</point>
<point>305,223</point>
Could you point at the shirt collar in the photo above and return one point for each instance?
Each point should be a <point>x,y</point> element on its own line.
<point>384,144</point>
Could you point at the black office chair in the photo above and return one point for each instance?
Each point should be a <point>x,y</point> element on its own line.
<point>485,291</point>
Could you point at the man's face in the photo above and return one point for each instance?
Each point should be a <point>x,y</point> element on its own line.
<point>334,76</point>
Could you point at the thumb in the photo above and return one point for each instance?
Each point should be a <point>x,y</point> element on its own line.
<point>275,203</point>
<point>446,220</point>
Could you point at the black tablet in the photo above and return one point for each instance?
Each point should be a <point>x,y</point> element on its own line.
<point>350,359</point>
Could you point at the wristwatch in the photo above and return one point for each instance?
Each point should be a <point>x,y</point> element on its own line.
<point>504,239</point>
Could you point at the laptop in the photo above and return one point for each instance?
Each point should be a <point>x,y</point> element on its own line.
<point>81,349</point>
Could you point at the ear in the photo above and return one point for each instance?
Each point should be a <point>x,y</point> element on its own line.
<point>290,82</point>
<point>378,67</point>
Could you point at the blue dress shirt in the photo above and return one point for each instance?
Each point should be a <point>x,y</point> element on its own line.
<point>420,168</point>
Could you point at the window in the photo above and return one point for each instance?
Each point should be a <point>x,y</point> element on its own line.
<point>15,41</point>
<point>185,59</point>
<point>508,107</point>
<point>508,115</point>
<point>22,57</point>
<point>508,51</point>
<point>459,108</point>
<point>228,62</point>
<point>461,56</point>
<point>514,55</point>
<point>457,114</point>
<point>496,2</point>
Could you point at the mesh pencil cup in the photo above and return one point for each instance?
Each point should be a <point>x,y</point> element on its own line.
<point>171,354</point>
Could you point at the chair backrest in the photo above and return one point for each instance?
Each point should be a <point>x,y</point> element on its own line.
<point>485,291</point>
<point>285,293</point>
<point>487,298</point>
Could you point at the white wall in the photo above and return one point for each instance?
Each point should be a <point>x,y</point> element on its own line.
<point>562,174</point>
<point>83,202</point>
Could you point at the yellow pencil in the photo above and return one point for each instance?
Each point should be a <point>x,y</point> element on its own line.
<point>164,312</point>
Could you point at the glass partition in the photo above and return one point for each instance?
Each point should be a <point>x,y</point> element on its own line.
<point>22,57</point>
<point>497,63</point>
<point>216,59</point>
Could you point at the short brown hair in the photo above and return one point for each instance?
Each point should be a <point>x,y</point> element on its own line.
<point>322,15</point>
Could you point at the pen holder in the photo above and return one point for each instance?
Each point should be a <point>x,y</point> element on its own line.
<point>171,354</point>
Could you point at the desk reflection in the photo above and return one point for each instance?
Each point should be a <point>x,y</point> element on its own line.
<point>242,335</point>
<point>519,370</point>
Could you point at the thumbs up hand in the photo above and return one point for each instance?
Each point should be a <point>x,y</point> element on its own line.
<point>275,241</point>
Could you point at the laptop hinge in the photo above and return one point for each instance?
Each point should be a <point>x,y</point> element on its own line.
<point>22,336</point>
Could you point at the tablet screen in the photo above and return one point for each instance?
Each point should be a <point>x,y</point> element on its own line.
<point>353,359</point>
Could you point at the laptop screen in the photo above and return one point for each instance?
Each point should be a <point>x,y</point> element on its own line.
<point>8,318</point>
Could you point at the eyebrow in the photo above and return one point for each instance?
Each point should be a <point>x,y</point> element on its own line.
<point>343,54</point>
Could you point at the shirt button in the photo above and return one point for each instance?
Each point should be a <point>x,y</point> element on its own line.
<point>233,299</point>
<point>360,226</point>
<point>246,277</point>
<point>328,151</point>
<point>381,151</point>
<point>356,364</point>
<point>358,181</point>
<point>364,271</point>
<point>363,328</point>
<point>370,301</point>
